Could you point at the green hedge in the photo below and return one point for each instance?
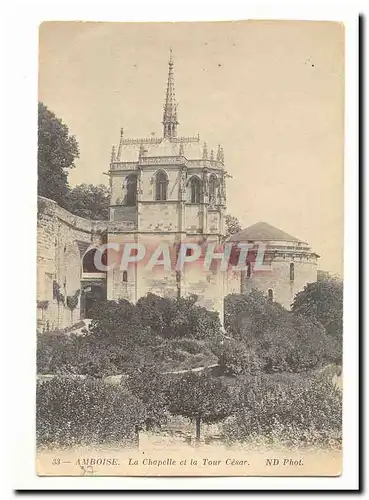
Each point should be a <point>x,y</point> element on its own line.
<point>73,411</point>
<point>293,413</point>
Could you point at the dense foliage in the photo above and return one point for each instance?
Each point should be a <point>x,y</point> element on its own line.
<point>323,302</point>
<point>292,412</point>
<point>74,411</point>
<point>269,337</point>
<point>233,225</point>
<point>149,385</point>
<point>57,151</point>
<point>89,201</point>
<point>200,397</point>
<point>173,334</point>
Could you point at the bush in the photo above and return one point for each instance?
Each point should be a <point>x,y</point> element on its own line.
<point>192,346</point>
<point>199,397</point>
<point>236,359</point>
<point>280,339</point>
<point>177,318</point>
<point>74,411</point>
<point>294,413</point>
<point>148,385</point>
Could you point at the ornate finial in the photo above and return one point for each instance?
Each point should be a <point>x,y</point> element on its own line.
<point>222,155</point>
<point>141,151</point>
<point>181,150</point>
<point>112,156</point>
<point>205,152</point>
<point>170,119</point>
<point>198,137</point>
<point>211,155</point>
<point>219,153</point>
<point>120,144</point>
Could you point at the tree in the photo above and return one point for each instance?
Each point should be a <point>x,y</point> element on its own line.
<point>233,225</point>
<point>71,411</point>
<point>250,315</point>
<point>175,318</point>
<point>235,358</point>
<point>89,201</point>
<point>147,384</point>
<point>281,340</point>
<point>200,397</point>
<point>322,301</point>
<point>57,151</point>
<point>292,411</point>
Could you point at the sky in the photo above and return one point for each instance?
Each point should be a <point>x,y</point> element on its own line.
<point>271,92</point>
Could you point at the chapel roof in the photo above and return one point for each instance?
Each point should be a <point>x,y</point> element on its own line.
<point>262,231</point>
<point>169,145</point>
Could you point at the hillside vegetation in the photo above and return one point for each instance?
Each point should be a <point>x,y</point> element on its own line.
<point>273,383</point>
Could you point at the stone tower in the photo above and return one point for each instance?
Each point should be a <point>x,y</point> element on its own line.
<point>290,264</point>
<point>170,190</point>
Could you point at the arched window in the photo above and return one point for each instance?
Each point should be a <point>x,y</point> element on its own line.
<point>292,271</point>
<point>131,190</point>
<point>212,189</point>
<point>161,184</point>
<point>88,263</point>
<point>270,295</point>
<point>125,276</point>
<point>195,189</point>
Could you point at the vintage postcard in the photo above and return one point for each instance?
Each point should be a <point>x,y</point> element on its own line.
<point>190,248</point>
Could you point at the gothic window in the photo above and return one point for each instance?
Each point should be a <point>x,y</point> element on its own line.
<point>131,190</point>
<point>292,271</point>
<point>161,185</point>
<point>125,276</point>
<point>212,188</point>
<point>195,190</point>
<point>270,295</point>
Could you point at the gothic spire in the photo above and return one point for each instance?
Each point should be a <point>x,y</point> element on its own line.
<point>170,119</point>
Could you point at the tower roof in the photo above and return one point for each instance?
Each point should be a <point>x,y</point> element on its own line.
<point>129,150</point>
<point>262,231</point>
<point>170,120</point>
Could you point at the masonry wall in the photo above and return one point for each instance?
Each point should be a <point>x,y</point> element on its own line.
<point>166,282</point>
<point>276,279</point>
<point>159,216</point>
<point>61,240</point>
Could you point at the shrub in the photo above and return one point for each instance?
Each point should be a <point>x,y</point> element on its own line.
<point>295,413</point>
<point>323,301</point>
<point>148,385</point>
<point>280,339</point>
<point>177,318</point>
<point>236,359</point>
<point>192,346</point>
<point>84,411</point>
<point>200,397</point>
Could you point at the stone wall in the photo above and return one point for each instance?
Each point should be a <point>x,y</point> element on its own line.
<point>276,279</point>
<point>62,239</point>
